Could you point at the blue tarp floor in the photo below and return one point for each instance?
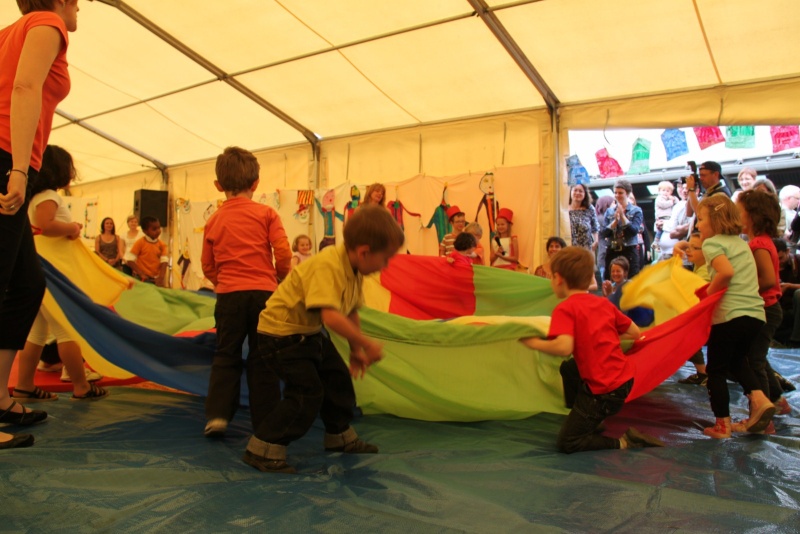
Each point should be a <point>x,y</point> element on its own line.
<point>138,462</point>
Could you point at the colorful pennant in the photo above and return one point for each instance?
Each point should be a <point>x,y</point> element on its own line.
<point>576,172</point>
<point>740,137</point>
<point>784,137</point>
<point>674,143</point>
<point>609,167</point>
<point>640,158</point>
<point>708,136</point>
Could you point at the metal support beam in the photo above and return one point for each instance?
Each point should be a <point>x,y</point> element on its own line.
<point>216,71</point>
<point>490,19</point>
<point>160,165</point>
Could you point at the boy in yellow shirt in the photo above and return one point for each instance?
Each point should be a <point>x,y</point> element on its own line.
<point>325,290</point>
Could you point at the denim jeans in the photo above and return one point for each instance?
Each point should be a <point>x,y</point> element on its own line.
<point>315,381</point>
<point>588,411</point>
<point>236,315</point>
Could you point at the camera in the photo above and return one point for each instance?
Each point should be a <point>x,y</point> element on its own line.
<point>693,166</point>
<point>616,245</point>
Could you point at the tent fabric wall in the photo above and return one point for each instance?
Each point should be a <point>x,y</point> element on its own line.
<point>763,103</point>
<point>444,149</point>
<point>517,146</point>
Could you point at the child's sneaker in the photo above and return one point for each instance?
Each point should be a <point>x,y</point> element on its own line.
<point>721,430</point>
<point>761,417</point>
<point>91,376</point>
<point>785,384</point>
<point>741,427</point>
<point>637,440</point>
<point>697,379</point>
<point>48,367</point>
<point>348,442</point>
<point>265,465</point>
<point>267,457</point>
<point>215,428</point>
<point>782,406</point>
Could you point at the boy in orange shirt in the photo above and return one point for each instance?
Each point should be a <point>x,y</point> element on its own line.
<point>148,257</point>
<point>239,242</point>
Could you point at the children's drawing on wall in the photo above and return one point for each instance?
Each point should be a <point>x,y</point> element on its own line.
<point>272,200</point>
<point>396,208</point>
<point>329,215</point>
<point>305,199</point>
<point>350,207</point>
<point>439,218</point>
<point>190,220</point>
<point>84,211</point>
<point>488,202</point>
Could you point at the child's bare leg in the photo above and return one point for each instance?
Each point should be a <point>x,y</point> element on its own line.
<point>28,360</point>
<point>70,353</point>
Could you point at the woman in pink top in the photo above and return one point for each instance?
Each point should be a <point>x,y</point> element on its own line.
<point>33,80</point>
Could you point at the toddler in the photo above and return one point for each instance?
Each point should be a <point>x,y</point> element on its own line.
<point>664,203</point>
<point>301,247</point>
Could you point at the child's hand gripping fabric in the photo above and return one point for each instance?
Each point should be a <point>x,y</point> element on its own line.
<point>361,357</point>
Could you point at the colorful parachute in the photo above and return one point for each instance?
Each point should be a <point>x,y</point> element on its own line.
<point>450,334</point>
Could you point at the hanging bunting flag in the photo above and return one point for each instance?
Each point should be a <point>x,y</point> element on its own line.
<point>640,159</point>
<point>609,167</point>
<point>740,137</point>
<point>708,136</point>
<point>674,143</point>
<point>576,173</point>
<point>784,137</point>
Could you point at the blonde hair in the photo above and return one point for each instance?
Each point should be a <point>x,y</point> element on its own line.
<point>575,265</point>
<point>475,229</point>
<point>722,214</point>
<point>297,241</point>
<point>371,189</point>
<point>667,185</point>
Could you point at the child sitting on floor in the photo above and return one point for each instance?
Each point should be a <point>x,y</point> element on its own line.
<point>588,327</point>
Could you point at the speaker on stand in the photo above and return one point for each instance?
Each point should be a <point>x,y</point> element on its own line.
<point>150,203</point>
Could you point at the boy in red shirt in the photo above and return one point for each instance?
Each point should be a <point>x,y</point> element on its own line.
<point>239,242</point>
<point>589,328</point>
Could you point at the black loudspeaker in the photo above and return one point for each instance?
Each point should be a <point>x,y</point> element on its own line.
<point>147,203</point>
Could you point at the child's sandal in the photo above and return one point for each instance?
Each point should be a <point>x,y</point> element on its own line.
<point>35,395</point>
<point>95,393</point>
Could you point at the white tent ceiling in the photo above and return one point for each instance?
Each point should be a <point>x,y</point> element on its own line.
<point>167,82</point>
